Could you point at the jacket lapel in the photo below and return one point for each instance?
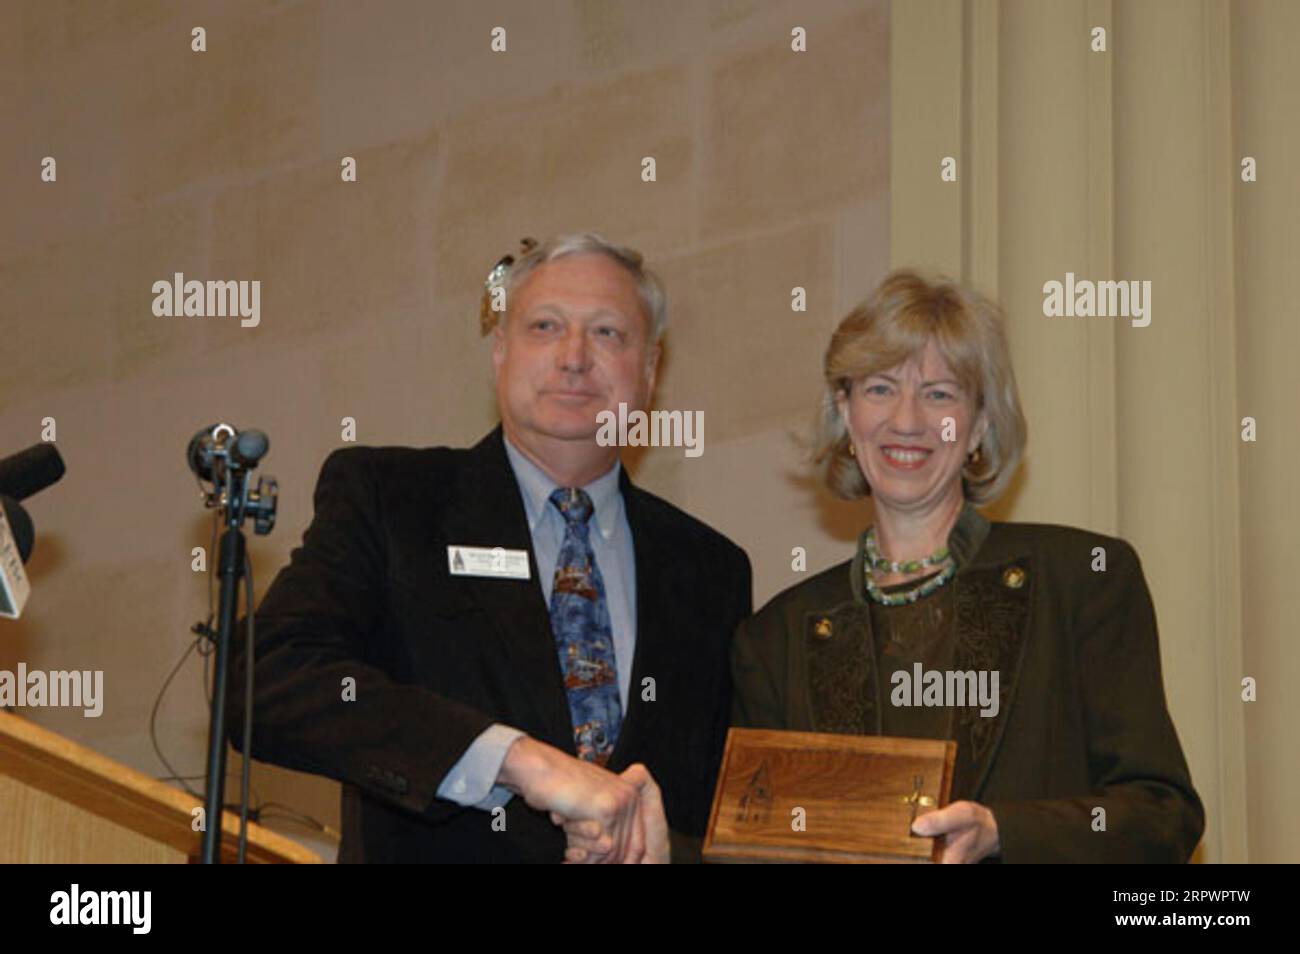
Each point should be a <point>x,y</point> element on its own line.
<point>992,610</point>
<point>488,512</point>
<point>843,689</point>
<point>654,566</point>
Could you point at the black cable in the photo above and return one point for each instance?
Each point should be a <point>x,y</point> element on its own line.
<point>209,647</point>
<point>205,649</point>
<point>153,719</point>
<point>290,814</point>
<point>229,772</point>
<point>248,709</point>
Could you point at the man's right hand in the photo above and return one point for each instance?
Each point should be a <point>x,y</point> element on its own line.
<point>586,843</point>
<point>576,790</point>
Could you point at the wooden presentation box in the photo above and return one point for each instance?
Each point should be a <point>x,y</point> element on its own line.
<point>858,796</point>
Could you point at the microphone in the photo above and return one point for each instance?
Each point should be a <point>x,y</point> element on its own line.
<point>16,538</point>
<point>21,475</point>
<point>250,447</point>
<point>221,442</point>
<point>202,450</point>
<point>31,471</point>
<point>219,453</point>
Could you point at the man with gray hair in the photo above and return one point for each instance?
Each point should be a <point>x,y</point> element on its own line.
<point>539,649</point>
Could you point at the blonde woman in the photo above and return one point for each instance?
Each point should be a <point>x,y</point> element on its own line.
<point>921,414</point>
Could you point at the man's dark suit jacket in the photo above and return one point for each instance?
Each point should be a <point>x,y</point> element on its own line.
<point>438,658</point>
<point>1082,722</point>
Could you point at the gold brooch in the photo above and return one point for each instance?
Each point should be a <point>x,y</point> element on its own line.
<point>1014,577</point>
<point>823,628</point>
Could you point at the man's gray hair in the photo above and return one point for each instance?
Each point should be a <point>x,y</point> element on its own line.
<point>649,287</point>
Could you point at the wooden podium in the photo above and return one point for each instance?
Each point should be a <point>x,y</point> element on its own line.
<point>64,802</point>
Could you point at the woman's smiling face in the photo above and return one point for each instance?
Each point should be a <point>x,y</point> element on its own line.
<point>912,427</point>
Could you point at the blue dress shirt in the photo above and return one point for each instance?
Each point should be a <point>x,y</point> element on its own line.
<point>472,780</point>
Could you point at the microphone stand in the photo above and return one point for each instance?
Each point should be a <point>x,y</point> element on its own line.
<point>232,572</point>
<point>226,457</point>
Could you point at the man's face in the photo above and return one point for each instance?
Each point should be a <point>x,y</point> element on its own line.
<point>576,342</point>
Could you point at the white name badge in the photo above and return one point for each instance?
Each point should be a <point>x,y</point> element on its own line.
<point>487,561</point>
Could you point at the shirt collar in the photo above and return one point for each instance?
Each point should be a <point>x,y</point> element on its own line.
<point>536,489</point>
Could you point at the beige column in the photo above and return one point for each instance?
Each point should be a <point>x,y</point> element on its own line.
<point>925,110</point>
<point>1176,379</point>
<point>1265,53</point>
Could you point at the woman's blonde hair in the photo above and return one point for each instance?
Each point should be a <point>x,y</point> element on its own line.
<point>905,313</point>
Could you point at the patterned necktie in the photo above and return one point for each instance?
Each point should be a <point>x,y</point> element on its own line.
<point>583,635</point>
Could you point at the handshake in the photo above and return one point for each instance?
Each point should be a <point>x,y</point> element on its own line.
<point>607,818</point>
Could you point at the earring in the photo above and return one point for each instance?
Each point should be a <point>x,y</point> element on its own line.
<point>974,457</point>
<point>853,451</point>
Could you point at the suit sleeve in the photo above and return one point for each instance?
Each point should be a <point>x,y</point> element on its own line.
<point>736,595</point>
<point>742,605</point>
<point>322,701</point>
<point>1139,776</point>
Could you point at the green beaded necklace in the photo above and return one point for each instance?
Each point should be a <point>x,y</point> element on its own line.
<point>876,561</point>
<point>879,562</point>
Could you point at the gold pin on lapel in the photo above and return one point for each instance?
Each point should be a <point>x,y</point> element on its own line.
<point>823,628</point>
<point>1014,577</point>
